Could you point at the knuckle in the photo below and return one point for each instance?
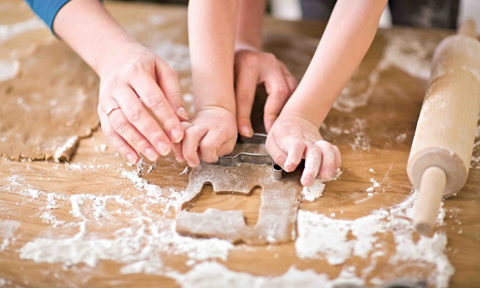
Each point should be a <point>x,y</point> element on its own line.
<point>250,60</point>
<point>283,91</point>
<point>134,114</point>
<point>170,123</point>
<point>153,101</point>
<point>244,97</point>
<point>169,72</point>
<point>120,125</point>
<point>270,57</point>
<point>137,65</point>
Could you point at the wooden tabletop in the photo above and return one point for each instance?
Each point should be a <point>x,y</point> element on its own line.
<point>120,217</point>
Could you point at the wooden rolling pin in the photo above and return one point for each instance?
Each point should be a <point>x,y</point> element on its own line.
<point>443,142</point>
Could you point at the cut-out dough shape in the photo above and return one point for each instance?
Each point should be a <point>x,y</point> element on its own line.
<point>277,215</point>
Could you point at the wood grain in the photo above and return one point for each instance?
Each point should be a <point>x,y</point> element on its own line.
<point>375,136</point>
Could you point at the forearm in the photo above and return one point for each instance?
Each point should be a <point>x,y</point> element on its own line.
<point>90,30</point>
<point>249,24</point>
<point>349,34</point>
<point>211,27</point>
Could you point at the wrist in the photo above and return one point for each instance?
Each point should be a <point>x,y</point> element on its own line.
<point>113,53</point>
<point>312,111</point>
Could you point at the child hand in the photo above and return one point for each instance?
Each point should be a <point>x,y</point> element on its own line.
<point>212,132</point>
<point>293,138</point>
<point>138,91</point>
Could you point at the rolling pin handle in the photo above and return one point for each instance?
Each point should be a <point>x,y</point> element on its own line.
<point>427,205</point>
<point>468,29</point>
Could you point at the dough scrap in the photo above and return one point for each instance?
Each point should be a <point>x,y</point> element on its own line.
<point>277,215</point>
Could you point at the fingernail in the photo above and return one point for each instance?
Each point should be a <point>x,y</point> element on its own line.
<point>288,167</point>
<point>247,131</point>
<point>151,155</point>
<point>177,136</point>
<point>180,159</point>
<point>182,113</point>
<point>131,158</point>
<point>163,148</point>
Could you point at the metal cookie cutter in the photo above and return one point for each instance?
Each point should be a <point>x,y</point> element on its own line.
<point>252,158</point>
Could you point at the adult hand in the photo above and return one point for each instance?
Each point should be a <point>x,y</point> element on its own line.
<point>140,103</point>
<point>253,67</point>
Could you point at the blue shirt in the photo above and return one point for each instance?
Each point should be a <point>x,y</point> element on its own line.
<point>47,9</point>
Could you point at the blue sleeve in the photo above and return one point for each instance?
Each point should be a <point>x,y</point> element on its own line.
<point>47,9</point>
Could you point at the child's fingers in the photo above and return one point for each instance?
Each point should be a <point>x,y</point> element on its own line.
<point>328,159</point>
<point>277,154</point>
<point>117,141</point>
<point>177,147</point>
<point>141,119</point>
<point>338,157</point>
<point>313,161</point>
<point>148,90</point>
<point>123,127</point>
<point>209,145</point>
<point>193,135</point>
<point>246,78</point>
<point>168,80</point>
<point>296,150</point>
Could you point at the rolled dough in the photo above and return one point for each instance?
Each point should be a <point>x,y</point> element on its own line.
<point>48,105</point>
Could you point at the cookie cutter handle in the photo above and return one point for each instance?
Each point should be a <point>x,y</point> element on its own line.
<point>278,172</point>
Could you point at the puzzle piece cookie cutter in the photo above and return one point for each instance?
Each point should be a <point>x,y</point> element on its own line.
<point>238,174</point>
<point>252,158</point>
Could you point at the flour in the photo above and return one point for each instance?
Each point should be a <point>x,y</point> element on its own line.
<point>9,31</point>
<point>320,237</point>
<point>7,231</point>
<point>213,274</point>
<point>313,192</point>
<point>140,245</point>
<point>403,50</point>
<point>8,69</point>
<point>316,189</point>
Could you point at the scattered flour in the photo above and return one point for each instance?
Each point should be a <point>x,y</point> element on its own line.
<point>313,192</point>
<point>8,69</point>
<point>403,50</point>
<point>9,31</point>
<point>213,274</point>
<point>324,238</point>
<point>7,231</point>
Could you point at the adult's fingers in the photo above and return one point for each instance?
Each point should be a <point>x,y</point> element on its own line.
<point>148,90</point>
<point>168,80</point>
<point>278,94</point>
<point>328,162</point>
<point>141,119</point>
<point>313,161</point>
<point>117,141</point>
<point>246,79</point>
<point>291,81</point>
<point>122,126</point>
<point>193,136</point>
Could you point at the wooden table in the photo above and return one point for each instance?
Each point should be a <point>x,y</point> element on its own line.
<point>375,135</point>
